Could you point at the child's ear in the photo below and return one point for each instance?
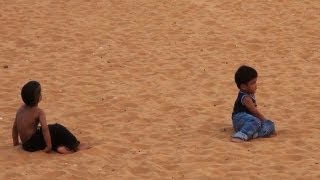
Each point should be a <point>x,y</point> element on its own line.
<point>243,87</point>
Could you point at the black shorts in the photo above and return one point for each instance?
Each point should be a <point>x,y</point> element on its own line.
<point>60,136</point>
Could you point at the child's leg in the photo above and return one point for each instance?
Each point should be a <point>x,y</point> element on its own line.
<point>83,146</point>
<point>245,126</point>
<point>65,150</point>
<point>267,128</point>
<point>63,137</point>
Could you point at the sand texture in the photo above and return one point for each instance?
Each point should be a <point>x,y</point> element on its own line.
<point>150,84</point>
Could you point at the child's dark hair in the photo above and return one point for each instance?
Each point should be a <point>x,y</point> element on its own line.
<point>244,74</point>
<point>30,93</point>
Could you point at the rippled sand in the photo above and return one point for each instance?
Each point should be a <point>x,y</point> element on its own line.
<point>150,85</point>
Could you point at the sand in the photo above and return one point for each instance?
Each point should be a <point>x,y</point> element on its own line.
<point>150,85</point>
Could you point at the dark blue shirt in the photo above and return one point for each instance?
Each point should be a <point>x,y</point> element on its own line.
<point>239,107</point>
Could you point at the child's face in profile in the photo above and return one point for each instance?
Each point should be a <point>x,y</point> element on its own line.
<point>40,97</point>
<point>251,86</point>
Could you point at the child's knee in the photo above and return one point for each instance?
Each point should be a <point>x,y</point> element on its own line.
<point>269,124</point>
<point>256,122</point>
<point>267,128</point>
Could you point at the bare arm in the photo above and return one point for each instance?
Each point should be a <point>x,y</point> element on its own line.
<point>247,101</point>
<point>45,131</point>
<point>15,134</point>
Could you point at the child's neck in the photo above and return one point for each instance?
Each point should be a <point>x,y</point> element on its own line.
<point>30,107</point>
<point>244,91</point>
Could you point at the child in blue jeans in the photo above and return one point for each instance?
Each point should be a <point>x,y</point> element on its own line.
<point>248,122</point>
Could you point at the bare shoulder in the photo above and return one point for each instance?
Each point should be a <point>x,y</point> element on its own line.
<point>40,114</point>
<point>247,99</point>
<point>36,112</point>
<point>20,109</point>
<point>39,110</point>
<point>20,112</point>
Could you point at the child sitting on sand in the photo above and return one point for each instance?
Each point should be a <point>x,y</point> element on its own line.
<point>45,137</point>
<point>247,121</point>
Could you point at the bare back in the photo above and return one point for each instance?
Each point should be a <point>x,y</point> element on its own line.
<point>27,119</point>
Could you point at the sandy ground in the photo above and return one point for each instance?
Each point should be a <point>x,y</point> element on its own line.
<point>150,85</point>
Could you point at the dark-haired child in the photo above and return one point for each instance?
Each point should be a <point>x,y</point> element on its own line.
<point>45,137</point>
<point>248,122</point>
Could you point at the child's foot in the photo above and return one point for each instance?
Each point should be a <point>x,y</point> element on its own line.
<point>83,146</point>
<point>237,140</point>
<point>64,150</point>
<point>239,137</point>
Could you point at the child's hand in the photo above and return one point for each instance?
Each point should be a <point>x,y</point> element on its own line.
<point>47,149</point>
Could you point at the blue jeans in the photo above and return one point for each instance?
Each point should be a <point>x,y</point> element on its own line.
<point>248,126</point>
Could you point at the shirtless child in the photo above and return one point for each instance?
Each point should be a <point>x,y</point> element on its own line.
<point>45,137</point>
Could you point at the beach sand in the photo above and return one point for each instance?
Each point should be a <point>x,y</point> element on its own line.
<point>150,84</point>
